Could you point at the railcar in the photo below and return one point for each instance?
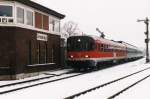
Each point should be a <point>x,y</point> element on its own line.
<point>89,51</point>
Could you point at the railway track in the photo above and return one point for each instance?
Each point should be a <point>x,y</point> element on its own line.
<point>32,80</point>
<point>109,84</point>
<point>6,88</point>
<point>123,90</point>
<point>11,87</point>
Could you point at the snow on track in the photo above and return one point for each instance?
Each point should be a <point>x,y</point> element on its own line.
<point>57,72</point>
<point>16,87</point>
<point>140,91</point>
<point>109,90</point>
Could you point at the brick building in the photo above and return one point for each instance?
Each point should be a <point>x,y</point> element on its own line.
<point>29,39</point>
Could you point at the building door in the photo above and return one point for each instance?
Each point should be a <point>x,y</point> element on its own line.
<point>30,52</point>
<point>42,52</point>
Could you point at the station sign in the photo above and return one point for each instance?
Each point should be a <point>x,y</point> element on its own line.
<point>42,37</point>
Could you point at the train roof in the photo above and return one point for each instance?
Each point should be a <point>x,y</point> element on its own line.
<point>116,43</point>
<point>130,45</point>
<point>110,42</point>
<point>107,41</point>
<point>102,40</point>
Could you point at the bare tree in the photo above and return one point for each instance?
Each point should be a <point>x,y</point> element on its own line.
<point>70,28</point>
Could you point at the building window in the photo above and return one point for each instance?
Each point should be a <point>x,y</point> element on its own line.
<point>38,20</point>
<point>45,22</point>
<point>5,11</point>
<point>29,18</point>
<point>57,26</point>
<point>54,25</point>
<point>51,24</point>
<point>20,15</point>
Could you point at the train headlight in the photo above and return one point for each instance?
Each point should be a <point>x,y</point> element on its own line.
<point>86,56</point>
<point>71,56</point>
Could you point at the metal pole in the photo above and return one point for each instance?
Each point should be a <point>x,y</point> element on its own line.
<point>147,40</point>
<point>146,21</point>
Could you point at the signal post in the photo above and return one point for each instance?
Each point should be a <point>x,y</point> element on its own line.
<point>146,21</point>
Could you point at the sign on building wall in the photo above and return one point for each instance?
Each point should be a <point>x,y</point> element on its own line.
<point>42,37</point>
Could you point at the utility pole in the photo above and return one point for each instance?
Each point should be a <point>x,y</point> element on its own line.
<point>102,33</point>
<point>146,21</point>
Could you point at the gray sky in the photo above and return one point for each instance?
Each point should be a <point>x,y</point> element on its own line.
<point>116,18</point>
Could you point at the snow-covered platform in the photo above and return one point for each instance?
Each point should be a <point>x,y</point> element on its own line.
<point>68,87</point>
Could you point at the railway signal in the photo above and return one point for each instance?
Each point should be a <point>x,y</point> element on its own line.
<point>146,21</point>
<point>102,33</point>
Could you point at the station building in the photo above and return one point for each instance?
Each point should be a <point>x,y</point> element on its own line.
<point>29,39</point>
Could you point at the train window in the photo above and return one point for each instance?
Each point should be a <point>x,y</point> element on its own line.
<point>86,45</point>
<point>105,48</point>
<point>80,44</point>
<point>102,47</point>
<point>108,48</point>
<point>114,48</point>
<point>68,46</point>
<point>90,46</point>
<point>99,47</point>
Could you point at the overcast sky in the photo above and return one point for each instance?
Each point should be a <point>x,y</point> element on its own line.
<point>116,18</point>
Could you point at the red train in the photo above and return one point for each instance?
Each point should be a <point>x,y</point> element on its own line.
<point>89,51</point>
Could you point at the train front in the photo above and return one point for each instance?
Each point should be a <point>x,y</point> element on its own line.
<point>80,51</point>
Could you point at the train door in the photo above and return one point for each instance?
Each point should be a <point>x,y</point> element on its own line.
<point>114,55</point>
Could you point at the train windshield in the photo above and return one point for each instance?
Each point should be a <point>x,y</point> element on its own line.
<point>80,43</point>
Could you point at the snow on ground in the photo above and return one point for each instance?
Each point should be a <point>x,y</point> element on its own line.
<point>140,91</point>
<point>109,90</point>
<point>59,71</point>
<point>67,87</point>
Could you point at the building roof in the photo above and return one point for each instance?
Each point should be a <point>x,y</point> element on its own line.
<point>40,7</point>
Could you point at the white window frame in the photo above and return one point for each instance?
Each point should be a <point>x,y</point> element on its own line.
<point>32,17</point>
<point>51,28</point>
<point>8,4</point>
<point>57,27</point>
<point>6,20</point>
<point>14,5</point>
<point>24,21</point>
<point>26,8</point>
<point>54,19</point>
